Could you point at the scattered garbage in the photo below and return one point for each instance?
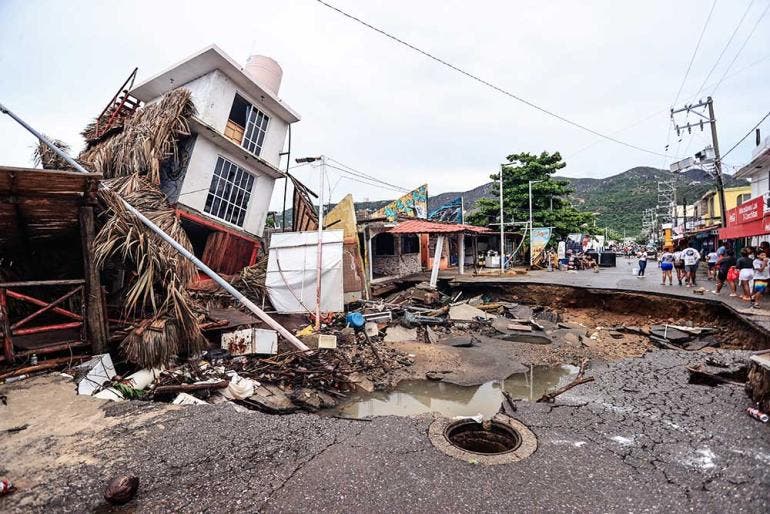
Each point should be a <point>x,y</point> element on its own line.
<point>6,487</point>
<point>758,414</point>
<point>121,489</point>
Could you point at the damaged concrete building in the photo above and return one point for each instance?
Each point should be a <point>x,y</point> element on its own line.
<point>222,184</point>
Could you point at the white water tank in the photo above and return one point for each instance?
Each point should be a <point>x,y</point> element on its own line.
<point>264,71</point>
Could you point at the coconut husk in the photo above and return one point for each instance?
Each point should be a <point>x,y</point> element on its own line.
<point>146,139</point>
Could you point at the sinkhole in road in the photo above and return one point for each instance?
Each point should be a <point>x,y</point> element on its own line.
<point>488,437</point>
<point>414,397</point>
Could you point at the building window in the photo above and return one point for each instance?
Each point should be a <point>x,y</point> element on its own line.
<point>410,243</point>
<point>384,245</point>
<point>229,192</point>
<point>246,125</point>
<point>742,198</point>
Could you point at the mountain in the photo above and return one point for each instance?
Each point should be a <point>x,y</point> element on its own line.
<point>619,199</point>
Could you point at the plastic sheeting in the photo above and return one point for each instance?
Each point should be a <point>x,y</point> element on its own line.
<point>291,272</point>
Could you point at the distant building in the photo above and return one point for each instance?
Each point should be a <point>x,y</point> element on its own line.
<point>749,222</point>
<point>231,161</point>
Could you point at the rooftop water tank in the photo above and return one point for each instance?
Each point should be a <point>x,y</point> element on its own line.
<point>264,71</point>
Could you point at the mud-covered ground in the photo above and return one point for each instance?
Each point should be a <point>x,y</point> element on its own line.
<point>639,438</point>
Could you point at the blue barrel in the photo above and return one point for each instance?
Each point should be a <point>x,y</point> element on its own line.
<point>355,320</point>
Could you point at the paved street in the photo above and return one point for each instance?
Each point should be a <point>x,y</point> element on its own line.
<point>639,438</point>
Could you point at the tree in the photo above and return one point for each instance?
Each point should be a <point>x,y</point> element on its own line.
<point>550,205</point>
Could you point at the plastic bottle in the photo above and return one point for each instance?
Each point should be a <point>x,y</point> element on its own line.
<point>758,414</point>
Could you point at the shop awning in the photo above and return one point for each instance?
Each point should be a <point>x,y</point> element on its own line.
<point>753,228</point>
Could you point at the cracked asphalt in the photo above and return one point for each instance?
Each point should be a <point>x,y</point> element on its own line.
<point>639,438</point>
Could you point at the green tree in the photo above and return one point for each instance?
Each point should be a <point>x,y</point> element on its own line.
<point>550,205</point>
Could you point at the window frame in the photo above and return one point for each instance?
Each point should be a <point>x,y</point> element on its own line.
<point>229,192</point>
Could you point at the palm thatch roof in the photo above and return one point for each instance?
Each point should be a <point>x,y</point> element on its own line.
<point>47,158</point>
<point>155,291</point>
<point>147,139</point>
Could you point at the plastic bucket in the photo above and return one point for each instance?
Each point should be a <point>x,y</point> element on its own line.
<point>635,271</point>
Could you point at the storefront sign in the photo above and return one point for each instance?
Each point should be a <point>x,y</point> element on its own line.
<point>747,212</point>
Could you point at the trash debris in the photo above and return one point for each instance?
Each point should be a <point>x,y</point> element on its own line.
<point>397,334</point>
<point>250,340</point>
<point>121,489</point>
<point>239,387</point>
<point>97,371</point>
<point>758,414</point>
<point>188,399</point>
<point>465,312</point>
<point>6,487</point>
<point>327,341</point>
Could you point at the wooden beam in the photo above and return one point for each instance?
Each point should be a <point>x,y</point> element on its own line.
<point>5,327</point>
<point>35,283</point>
<point>96,314</point>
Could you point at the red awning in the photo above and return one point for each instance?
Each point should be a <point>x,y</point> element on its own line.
<point>754,228</point>
<point>432,227</point>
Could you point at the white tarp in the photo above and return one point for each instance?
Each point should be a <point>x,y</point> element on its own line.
<point>291,271</point>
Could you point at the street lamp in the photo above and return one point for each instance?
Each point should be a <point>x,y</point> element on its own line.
<point>319,261</point>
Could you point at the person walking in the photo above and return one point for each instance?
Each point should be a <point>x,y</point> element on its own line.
<point>761,276</point>
<point>679,266</point>
<point>725,265</point>
<point>711,262</point>
<point>666,265</point>
<point>745,267</point>
<point>691,258</point>
<point>642,262</point>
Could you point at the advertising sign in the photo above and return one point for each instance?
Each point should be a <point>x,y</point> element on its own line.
<point>537,240</point>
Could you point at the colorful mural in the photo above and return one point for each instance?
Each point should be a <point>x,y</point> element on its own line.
<point>450,212</point>
<point>414,204</point>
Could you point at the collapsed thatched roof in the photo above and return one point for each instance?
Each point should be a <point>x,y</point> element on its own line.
<point>155,289</point>
<point>47,158</point>
<point>147,139</point>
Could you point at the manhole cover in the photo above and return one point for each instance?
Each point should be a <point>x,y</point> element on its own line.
<point>501,440</point>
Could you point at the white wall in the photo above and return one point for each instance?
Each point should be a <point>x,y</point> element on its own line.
<point>200,169</point>
<point>760,184</point>
<point>213,95</point>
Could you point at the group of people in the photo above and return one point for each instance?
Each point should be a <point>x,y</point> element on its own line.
<point>750,272</point>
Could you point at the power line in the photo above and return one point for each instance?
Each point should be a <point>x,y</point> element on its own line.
<point>368,182</point>
<point>361,174</point>
<point>487,83</point>
<point>724,49</point>
<point>747,134</point>
<point>756,24</point>
<point>695,52</point>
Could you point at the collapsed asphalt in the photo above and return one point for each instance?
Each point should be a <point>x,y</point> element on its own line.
<point>639,438</point>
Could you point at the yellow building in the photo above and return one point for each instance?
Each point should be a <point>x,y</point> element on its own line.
<point>709,209</point>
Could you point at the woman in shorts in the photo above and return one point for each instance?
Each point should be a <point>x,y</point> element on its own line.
<point>667,267</point>
<point>745,267</point>
<point>761,276</point>
<point>725,264</point>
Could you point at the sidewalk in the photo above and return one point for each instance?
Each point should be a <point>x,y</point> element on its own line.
<point>622,278</point>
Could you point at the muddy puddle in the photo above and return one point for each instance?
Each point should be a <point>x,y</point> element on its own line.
<point>413,397</point>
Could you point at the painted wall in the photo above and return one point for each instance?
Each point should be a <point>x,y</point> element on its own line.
<point>213,95</point>
<point>197,180</point>
<point>760,183</point>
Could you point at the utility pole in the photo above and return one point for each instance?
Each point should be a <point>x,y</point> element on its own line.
<point>319,251</point>
<point>711,120</point>
<point>502,224</point>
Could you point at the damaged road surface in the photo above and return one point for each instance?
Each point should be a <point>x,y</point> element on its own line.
<point>640,437</point>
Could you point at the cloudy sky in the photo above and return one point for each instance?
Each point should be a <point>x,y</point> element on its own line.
<point>380,108</point>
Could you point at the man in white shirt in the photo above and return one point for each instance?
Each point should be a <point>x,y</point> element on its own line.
<point>691,258</point>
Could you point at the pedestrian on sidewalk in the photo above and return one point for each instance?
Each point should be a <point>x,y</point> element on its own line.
<point>725,270</point>
<point>711,262</point>
<point>691,258</point>
<point>761,276</point>
<point>745,267</point>
<point>666,267</point>
<point>642,262</point>
<point>679,266</point>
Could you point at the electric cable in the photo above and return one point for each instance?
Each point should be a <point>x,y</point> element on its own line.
<point>487,83</point>
<point>695,52</point>
<point>747,135</point>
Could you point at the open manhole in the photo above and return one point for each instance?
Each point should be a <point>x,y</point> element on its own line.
<point>487,438</point>
<point>501,440</point>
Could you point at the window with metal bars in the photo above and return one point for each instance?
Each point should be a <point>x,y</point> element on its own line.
<point>229,192</point>
<point>256,128</point>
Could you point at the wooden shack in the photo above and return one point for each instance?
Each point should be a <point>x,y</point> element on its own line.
<point>50,293</point>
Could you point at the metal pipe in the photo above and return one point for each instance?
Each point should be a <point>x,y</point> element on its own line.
<point>502,225</point>
<point>175,244</point>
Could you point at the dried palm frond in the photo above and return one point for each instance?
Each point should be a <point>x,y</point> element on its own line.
<point>50,160</point>
<point>156,289</point>
<point>147,139</point>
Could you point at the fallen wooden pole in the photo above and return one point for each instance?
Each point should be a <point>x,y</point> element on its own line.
<point>52,363</point>
<point>549,397</point>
